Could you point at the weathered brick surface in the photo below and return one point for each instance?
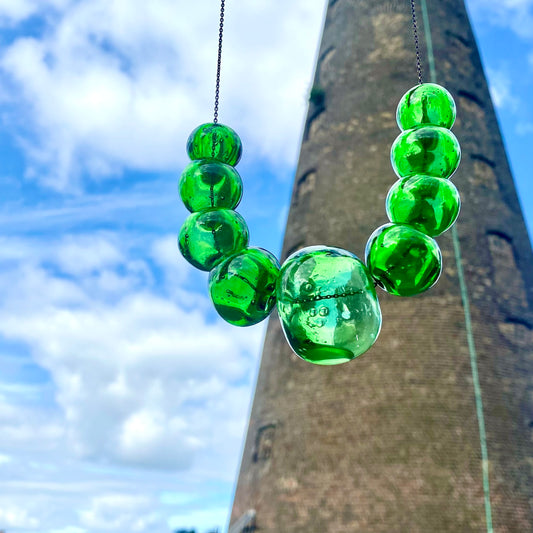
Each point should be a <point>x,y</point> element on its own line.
<point>390,443</point>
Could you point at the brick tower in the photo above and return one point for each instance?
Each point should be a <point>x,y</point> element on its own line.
<point>431,430</point>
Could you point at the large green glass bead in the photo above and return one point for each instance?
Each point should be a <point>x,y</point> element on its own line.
<point>431,205</point>
<point>243,287</point>
<point>327,305</point>
<point>428,150</point>
<point>208,237</point>
<point>427,104</point>
<point>206,184</point>
<point>215,141</point>
<point>403,260</point>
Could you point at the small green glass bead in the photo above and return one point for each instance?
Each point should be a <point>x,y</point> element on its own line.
<point>215,141</point>
<point>206,184</point>
<point>428,150</point>
<point>327,305</point>
<point>403,260</point>
<point>427,104</point>
<point>430,205</point>
<point>243,287</point>
<point>208,237</point>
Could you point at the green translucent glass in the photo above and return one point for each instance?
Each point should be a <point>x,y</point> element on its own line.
<point>428,150</point>
<point>243,287</point>
<point>206,184</point>
<point>431,205</point>
<point>208,237</point>
<point>215,141</point>
<point>403,260</point>
<point>327,305</point>
<point>428,104</point>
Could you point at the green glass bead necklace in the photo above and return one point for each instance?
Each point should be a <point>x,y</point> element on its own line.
<point>325,296</point>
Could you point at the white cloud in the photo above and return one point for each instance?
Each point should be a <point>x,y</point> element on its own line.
<point>88,253</point>
<point>139,380</point>
<point>12,11</point>
<point>501,90</point>
<point>4,459</point>
<point>16,517</point>
<point>164,252</point>
<point>145,392</point>
<point>69,529</point>
<point>514,14</point>
<point>24,428</point>
<point>152,203</point>
<point>120,512</point>
<point>117,85</point>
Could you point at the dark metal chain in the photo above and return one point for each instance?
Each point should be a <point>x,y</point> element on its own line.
<point>417,47</point>
<point>219,60</point>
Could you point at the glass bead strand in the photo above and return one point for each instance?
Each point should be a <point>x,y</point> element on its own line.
<point>402,256</point>
<point>325,296</point>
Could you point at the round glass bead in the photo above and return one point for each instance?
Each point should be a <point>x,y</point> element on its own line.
<point>430,205</point>
<point>427,104</point>
<point>243,287</point>
<point>327,305</point>
<point>403,260</point>
<point>428,150</point>
<point>206,184</point>
<point>208,237</point>
<point>215,141</point>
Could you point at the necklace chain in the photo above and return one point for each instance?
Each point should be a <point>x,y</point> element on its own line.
<point>219,60</point>
<point>417,47</point>
<point>219,56</point>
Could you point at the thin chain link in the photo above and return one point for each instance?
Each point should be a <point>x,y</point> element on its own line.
<point>417,47</point>
<point>219,60</point>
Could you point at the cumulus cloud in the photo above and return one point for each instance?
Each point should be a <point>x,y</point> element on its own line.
<point>501,90</point>
<point>83,254</point>
<point>120,385</point>
<point>27,429</point>
<point>13,11</point>
<point>514,14</point>
<point>139,381</point>
<point>120,512</point>
<point>4,459</point>
<point>16,517</point>
<point>119,85</point>
<point>69,529</point>
<point>138,377</point>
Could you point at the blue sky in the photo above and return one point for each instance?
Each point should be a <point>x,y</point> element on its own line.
<point>123,398</point>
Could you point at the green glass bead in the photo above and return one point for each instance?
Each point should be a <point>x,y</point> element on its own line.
<point>243,287</point>
<point>327,305</point>
<point>403,260</point>
<point>428,150</point>
<point>215,141</point>
<point>208,237</point>
<point>206,184</point>
<point>427,104</point>
<point>430,205</point>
